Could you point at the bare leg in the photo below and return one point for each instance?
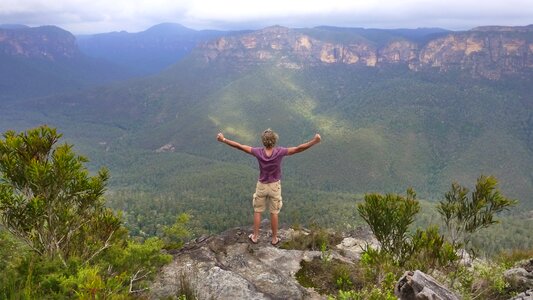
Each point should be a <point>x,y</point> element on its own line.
<point>274,225</point>
<point>257,220</point>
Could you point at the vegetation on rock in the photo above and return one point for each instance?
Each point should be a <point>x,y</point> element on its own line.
<point>390,217</point>
<point>68,243</point>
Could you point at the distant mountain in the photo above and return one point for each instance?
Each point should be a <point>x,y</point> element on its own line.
<point>148,51</point>
<point>376,35</point>
<point>507,29</point>
<point>42,60</point>
<point>12,26</point>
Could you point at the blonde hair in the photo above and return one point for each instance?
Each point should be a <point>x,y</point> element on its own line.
<point>269,138</point>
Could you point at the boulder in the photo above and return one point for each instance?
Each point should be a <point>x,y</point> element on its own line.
<point>527,295</point>
<point>420,286</point>
<point>465,259</point>
<point>521,276</point>
<point>354,244</point>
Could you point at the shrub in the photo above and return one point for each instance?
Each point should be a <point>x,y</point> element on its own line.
<point>384,291</point>
<point>328,278</point>
<point>389,217</point>
<point>376,266</point>
<point>429,250</point>
<point>342,278</point>
<point>75,247</point>
<point>89,282</point>
<point>484,280</point>
<point>464,216</point>
<point>49,201</point>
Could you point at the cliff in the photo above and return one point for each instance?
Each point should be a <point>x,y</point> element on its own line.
<point>488,52</point>
<point>46,42</point>
<point>229,266</point>
<point>40,61</point>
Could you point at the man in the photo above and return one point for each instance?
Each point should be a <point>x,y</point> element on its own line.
<point>268,186</point>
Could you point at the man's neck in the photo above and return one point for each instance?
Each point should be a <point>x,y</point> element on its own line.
<point>268,151</point>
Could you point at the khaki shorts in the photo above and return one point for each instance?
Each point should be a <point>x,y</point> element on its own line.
<point>267,191</point>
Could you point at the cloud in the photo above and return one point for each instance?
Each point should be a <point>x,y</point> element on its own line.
<point>92,15</point>
<point>84,16</point>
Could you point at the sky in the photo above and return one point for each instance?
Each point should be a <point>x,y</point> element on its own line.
<point>97,16</point>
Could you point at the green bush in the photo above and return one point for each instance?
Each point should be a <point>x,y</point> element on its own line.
<point>389,217</point>
<point>90,282</point>
<point>119,272</point>
<point>384,291</point>
<point>484,280</point>
<point>49,201</point>
<point>73,246</point>
<point>377,265</point>
<point>429,250</point>
<point>329,278</point>
<point>342,278</point>
<point>463,216</point>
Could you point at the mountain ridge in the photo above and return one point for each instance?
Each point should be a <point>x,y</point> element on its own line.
<point>488,52</point>
<point>149,51</point>
<point>39,61</point>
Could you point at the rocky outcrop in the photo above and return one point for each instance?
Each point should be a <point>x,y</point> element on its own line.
<point>166,148</point>
<point>521,276</point>
<point>354,244</point>
<point>420,286</point>
<point>527,295</point>
<point>46,42</point>
<point>488,52</point>
<point>229,266</point>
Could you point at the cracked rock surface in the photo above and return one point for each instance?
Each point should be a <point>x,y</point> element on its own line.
<point>230,266</point>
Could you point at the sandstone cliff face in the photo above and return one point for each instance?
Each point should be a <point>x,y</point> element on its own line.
<point>286,45</point>
<point>47,42</point>
<point>488,52</point>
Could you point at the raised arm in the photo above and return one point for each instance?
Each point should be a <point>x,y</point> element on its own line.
<point>244,148</point>
<point>315,140</point>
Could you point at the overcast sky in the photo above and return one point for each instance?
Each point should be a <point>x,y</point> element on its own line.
<point>94,16</point>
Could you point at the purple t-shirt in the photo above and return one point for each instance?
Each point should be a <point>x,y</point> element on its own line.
<point>269,166</point>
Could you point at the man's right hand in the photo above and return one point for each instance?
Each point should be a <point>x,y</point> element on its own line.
<point>220,137</point>
<point>317,138</point>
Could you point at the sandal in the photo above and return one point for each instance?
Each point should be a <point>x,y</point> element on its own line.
<point>251,238</point>
<point>277,242</point>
